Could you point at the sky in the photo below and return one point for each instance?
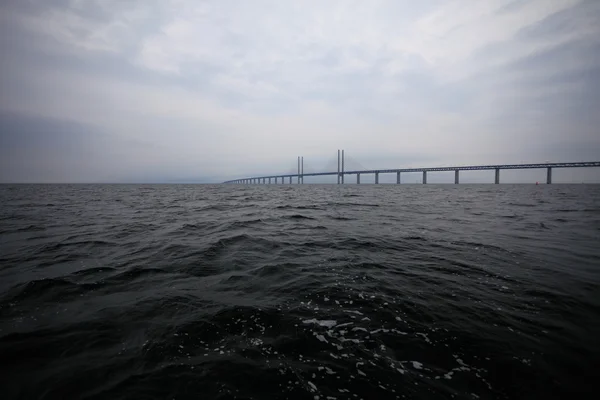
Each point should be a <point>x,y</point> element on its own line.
<point>207,91</point>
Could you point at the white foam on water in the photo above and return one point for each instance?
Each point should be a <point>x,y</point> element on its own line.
<point>344,324</point>
<point>359,329</point>
<point>322,338</point>
<point>326,323</point>
<point>379,330</point>
<point>360,372</point>
<point>424,335</point>
<point>353,312</point>
<point>312,385</point>
<point>399,319</point>
<point>329,371</point>
<point>417,365</point>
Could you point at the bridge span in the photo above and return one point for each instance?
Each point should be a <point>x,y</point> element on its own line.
<point>341,173</point>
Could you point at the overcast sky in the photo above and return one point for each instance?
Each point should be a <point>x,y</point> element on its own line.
<point>189,90</point>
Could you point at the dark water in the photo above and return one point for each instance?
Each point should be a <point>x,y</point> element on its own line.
<point>299,292</point>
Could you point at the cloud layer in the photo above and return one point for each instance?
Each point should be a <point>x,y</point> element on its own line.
<point>210,90</point>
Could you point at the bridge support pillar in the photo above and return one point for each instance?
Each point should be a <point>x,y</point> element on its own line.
<point>456,177</point>
<point>269,181</point>
<point>398,177</point>
<point>264,180</point>
<point>290,180</point>
<point>549,176</point>
<point>497,180</point>
<point>376,177</point>
<point>358,179</point>
<point>338,167</point>
<point>342,167</point>
<point>424,177</point>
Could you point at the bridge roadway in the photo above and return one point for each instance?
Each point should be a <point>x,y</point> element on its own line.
<point>398,171</point>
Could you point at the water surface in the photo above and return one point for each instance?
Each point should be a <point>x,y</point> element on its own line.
<point>299,292</point>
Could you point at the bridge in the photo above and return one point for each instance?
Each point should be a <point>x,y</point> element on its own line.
<point>341,173</point>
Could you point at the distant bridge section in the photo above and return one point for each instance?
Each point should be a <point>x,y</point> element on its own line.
<point>341,173</point>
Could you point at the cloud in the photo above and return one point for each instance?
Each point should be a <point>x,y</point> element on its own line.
<point>231,88</point>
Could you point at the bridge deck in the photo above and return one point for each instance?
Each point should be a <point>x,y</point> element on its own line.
<point>435,169</point>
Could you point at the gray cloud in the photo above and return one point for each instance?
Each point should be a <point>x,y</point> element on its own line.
<point>179,90</point>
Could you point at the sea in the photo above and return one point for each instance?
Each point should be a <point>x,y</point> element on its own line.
<point>315,292</point>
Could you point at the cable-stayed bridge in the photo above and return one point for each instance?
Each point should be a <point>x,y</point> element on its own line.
<point>343,175</point>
